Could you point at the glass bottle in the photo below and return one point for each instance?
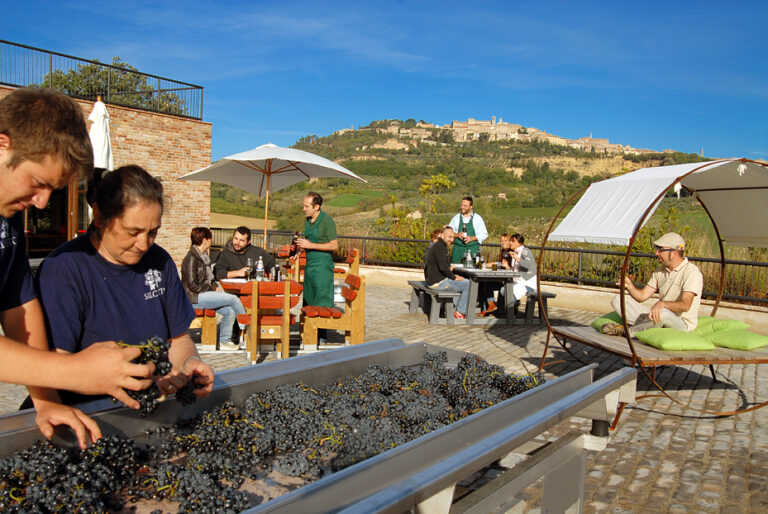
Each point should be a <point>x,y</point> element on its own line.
<point>260,270</point>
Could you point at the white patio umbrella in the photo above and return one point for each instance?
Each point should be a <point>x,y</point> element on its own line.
<point>269,168</point>
<point>99,134</point>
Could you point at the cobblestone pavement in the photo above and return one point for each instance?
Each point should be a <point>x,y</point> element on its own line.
<point>662,458</point>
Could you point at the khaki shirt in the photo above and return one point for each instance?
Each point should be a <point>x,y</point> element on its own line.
<point>671,285</point>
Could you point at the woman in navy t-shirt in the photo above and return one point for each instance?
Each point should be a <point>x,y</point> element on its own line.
<point>114,284</point>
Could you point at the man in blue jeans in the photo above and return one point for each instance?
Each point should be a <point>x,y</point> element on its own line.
<point>438,272</point>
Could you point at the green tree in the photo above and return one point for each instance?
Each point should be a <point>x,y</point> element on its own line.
<point>126,86</point>
<point>430,190</point>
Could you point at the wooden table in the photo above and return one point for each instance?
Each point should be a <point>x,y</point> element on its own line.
<point>476,276</point>
<point>233,285</point>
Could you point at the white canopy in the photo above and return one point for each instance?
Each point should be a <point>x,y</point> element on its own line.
<point>733,190</point>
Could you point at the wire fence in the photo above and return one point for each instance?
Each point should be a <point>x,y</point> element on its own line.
<point>22,65</point>
<point>745,281</point>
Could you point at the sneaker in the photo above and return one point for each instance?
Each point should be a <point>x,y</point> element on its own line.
<point>491,307</point>
<point>613,329</point>
<point>229,346</point>
<point>458,315</point>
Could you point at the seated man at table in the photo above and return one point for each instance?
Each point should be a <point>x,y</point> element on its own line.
<point>233,260</point>
<point>505,261</point>
<point>439,275</point>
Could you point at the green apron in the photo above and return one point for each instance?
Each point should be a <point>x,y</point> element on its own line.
<point>318,273</point>
<point>459,246</point>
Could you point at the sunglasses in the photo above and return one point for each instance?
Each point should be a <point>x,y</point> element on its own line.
<point>664,249</point>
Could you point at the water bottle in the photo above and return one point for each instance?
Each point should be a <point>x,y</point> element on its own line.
<point>478,261</point>
<point>468,259</point>
<point>260,270</point>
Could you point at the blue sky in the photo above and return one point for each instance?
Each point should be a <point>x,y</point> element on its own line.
<point>680,75</point>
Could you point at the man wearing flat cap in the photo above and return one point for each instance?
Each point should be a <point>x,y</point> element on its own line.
<point>678,283</point>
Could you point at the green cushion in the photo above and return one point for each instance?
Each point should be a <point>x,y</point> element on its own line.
<point>708,325</point>
<point>672,340</point>
<point>611,317</point>
<point>738,339</point>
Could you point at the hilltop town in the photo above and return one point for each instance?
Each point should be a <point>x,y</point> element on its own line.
<point>403,137</point>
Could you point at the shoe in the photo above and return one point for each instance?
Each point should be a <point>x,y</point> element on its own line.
<point>491,307</point>
<point>458,315</point>
<point>229,346</point>
<point>613,329</point>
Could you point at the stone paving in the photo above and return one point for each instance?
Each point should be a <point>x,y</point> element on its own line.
<point>663,457</point>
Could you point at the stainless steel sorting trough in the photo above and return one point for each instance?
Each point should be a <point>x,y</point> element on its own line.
<point>423,472</point>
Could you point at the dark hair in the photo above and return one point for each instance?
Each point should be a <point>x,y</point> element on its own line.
<point>44,122</point>
<point>316,198</point>
<point>505,236</point>
<point>436,233</point>
<point>124,187</point>
<point>517,237</point>
<point>242,229</point>
<point>199,234</point>
<point>469,199</point>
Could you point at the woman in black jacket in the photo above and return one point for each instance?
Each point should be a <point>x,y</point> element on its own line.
<point>203,291</point>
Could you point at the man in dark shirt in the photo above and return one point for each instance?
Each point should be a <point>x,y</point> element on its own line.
<point>438,272</point>
<point>233,260</point>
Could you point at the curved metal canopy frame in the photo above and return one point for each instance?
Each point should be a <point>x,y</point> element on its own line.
<point>636,360</point>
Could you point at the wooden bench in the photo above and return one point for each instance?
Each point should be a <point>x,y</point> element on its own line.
<point>422,295</point>
<point>261,301</point>
<point>531,298</point>
<point>351,321</point>
<point>206,320</point>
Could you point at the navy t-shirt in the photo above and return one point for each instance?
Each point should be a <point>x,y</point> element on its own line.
<point>87,299</point>
<point>16,286</point>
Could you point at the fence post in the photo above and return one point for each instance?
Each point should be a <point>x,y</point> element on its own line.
<point>50,71</point>
<point>579,276</point>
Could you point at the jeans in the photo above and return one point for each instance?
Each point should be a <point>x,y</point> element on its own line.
<point>457,285</point>
<point>228,305</point>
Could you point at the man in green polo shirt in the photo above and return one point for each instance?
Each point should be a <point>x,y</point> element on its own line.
<point>319,242</point>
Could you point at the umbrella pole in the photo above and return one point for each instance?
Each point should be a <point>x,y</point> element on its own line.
<point>266,211</point>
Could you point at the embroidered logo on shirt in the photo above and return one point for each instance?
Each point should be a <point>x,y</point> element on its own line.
<point>152,279</point>
<point>6,241</point>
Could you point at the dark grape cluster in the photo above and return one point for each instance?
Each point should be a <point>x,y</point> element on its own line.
<point>154,349</point>
<point>186,395</point>
<point>294,429</point>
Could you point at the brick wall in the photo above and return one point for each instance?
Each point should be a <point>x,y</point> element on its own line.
<point>167,147</point>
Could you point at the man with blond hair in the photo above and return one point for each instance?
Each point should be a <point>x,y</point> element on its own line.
<point>44,146</point>
<point>677,281</point>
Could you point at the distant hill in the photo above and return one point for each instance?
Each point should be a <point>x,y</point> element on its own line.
<point>528,170</point>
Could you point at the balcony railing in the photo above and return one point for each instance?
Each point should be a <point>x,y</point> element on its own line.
<point>22,65</point>
<point>745,282</point>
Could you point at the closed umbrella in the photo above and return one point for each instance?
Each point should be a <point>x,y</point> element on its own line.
<point>269,168</point>
<point>99,134</point>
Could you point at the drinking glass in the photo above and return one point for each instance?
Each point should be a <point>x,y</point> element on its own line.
<point>249,265</point>
<point>495,266</point>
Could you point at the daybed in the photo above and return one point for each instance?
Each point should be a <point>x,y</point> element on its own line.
<point>731,191</point>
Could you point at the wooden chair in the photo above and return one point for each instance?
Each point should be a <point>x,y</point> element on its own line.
<point>261,300</point>
<point>351,321</point>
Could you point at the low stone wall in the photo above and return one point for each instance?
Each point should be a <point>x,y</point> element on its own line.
<point>569,296</point>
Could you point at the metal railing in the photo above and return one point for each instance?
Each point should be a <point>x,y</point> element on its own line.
<point>745,281</point>
<point>22,65</point>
